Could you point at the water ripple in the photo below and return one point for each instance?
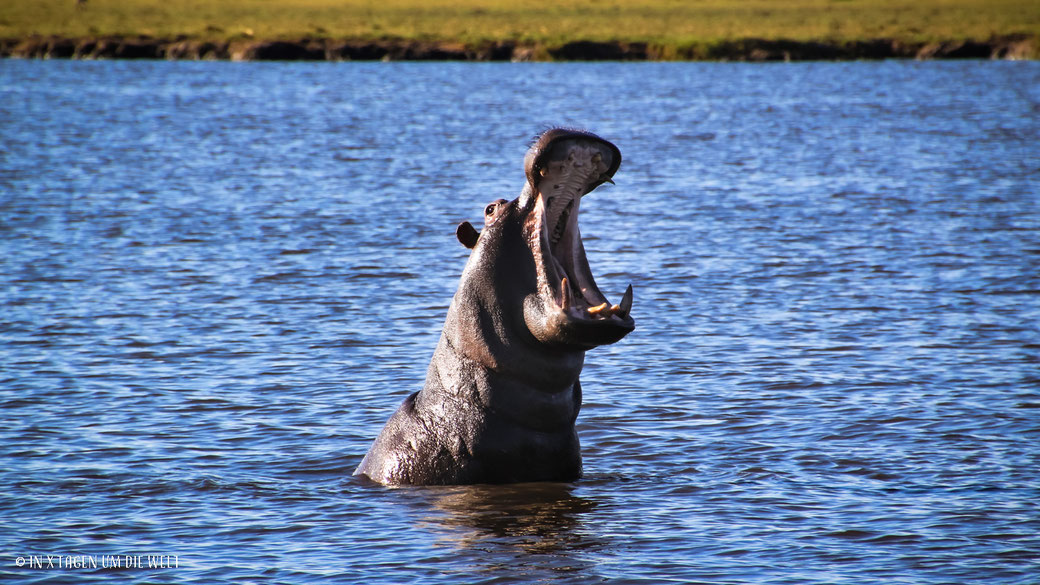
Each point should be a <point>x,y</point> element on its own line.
<point>219,279</point>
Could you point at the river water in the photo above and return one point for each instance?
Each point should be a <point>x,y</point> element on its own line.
<point>218,280</point>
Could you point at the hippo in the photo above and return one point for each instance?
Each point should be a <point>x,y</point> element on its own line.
<point>502,392</point>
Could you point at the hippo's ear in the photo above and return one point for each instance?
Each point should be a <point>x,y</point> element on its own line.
<point>467,234</point>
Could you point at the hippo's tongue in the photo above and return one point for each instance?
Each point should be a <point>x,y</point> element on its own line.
<point>572,169</point>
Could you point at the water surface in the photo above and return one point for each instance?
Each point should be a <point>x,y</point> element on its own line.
<point>219,279</point>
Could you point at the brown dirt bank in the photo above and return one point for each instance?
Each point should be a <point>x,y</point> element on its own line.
<point>319,49</point>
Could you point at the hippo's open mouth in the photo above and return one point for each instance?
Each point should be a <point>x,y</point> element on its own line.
<point>561,169</point>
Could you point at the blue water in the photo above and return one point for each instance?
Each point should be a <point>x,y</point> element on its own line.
<point>218,280</point>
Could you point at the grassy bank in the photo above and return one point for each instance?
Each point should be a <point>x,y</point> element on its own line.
<point>665,23</point>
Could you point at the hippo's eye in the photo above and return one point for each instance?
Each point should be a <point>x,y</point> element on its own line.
<point>490,209</point>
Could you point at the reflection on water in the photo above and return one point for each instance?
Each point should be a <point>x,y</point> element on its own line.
<point>539,525</point>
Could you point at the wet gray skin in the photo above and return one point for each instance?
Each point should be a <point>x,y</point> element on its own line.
<point>502,391</point>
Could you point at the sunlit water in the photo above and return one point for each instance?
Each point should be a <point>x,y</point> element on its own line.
<point>219,279</point>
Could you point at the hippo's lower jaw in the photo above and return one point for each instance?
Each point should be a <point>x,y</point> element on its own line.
<point>567,307</point>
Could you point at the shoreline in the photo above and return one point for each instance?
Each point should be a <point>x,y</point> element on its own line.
<point>1012,47</point>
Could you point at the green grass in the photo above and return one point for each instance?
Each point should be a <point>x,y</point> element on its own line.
<point>663,22</point>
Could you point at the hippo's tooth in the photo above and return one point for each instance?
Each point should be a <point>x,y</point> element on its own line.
<point>565,294</point>
<point>598,309</point>
<point>626,303</point>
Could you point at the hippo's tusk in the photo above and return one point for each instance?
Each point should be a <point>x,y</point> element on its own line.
<point>565,294</point>
<point>626,303</point>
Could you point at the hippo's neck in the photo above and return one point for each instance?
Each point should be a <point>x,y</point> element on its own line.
<point>483,361</point>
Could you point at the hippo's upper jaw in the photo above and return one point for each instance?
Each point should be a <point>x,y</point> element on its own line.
<point>568,308</point>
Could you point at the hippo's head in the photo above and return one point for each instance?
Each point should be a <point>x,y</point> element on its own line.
<point>528,278</point>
